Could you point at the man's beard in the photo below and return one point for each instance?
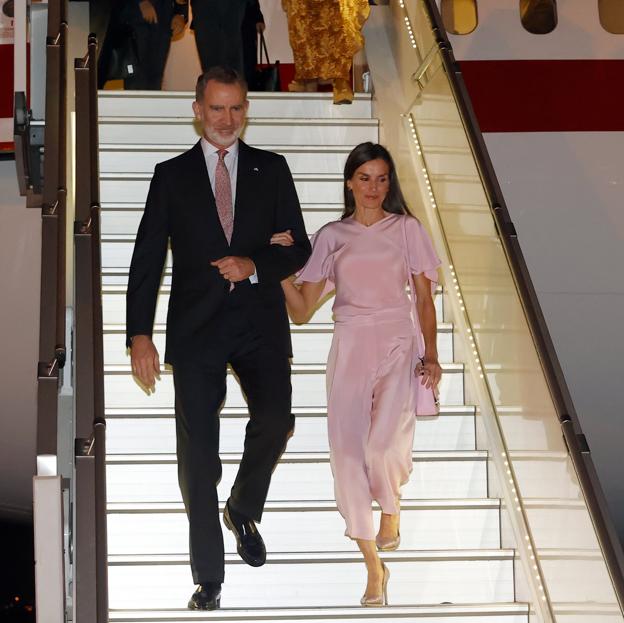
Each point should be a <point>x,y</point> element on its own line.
<point>221,138</point>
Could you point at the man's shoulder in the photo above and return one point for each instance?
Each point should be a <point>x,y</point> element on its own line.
<point>262,155</point>
<point>176,163</point>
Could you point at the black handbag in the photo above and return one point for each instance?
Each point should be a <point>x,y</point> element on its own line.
<point>266,76</point>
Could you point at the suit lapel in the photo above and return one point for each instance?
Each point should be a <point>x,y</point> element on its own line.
<point>244,190</point>
<point>204,191</point>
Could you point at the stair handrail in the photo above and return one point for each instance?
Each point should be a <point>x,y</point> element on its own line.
<point>90,546</point>
<point>575,440</point>
<point>27,140</point>
<point>52,346</point>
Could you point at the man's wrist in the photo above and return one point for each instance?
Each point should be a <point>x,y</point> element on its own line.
<point>254,276</point>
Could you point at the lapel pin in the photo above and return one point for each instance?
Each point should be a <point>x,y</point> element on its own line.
<point>256,169</point>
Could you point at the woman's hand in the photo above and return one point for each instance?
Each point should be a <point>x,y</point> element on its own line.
<point>430,372</point>
<point>283,238</point>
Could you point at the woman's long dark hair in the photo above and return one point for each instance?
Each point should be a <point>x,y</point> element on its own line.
<point>363,153</point>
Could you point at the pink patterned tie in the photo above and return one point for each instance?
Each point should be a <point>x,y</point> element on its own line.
<point>223,195</point>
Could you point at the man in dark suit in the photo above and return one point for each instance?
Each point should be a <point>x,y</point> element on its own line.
<point>217,25</point>
<point>140,31</point>
<point>218,204</point>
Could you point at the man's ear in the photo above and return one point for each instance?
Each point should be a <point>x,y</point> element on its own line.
<point>197,110</point>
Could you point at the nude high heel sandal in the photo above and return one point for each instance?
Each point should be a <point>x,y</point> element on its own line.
<point>379,600</point>
<point>389,546</point>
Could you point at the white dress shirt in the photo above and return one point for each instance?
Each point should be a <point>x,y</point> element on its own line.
<point>211,156</point>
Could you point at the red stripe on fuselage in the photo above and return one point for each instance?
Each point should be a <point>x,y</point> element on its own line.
<point>547,96</point>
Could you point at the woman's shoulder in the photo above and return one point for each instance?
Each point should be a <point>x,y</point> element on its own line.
<point>330,230</point>
<point>412,223</point>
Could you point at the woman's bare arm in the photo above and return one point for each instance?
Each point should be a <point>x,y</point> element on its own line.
<point>430,370</point>
<point>300,300</point>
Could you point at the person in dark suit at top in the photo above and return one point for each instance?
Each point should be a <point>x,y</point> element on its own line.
<point>253,24</point>
<point>218,205</point>
<point>217,25</point>
<point>150,24</point>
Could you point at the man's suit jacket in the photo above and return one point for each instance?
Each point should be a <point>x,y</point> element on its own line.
<point>181,209</point>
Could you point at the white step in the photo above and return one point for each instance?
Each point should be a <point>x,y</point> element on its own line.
<point>311,344</point>
<point>121,220</point>
<point>482,613</point>
<point>133,187</point>
<point>338,580</point>
<point>452,430</point>
<point>143,158</point>
<point>308,388</point>
<point>426,525</point>
<point>258,132</point>
<point>114,302</point>
<point>178,104</point>
<point>435,475</point>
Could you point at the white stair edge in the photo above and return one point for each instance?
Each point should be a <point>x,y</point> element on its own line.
<point>321,327</point>
<point>242,412</point>
<point>297,457</point>
<point>311,505</point>
<point>252,95</point>
<point>324,557</point>
<point>136,205</point>
<point>179,148</point>
<point>257,121</point>
<point>326,177</point>
<point>276,614</point>
<point>296,368</point>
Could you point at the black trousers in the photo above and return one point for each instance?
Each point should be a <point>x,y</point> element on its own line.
<point>152,47</point>
<point>217,25</point>
<point>200,390</point>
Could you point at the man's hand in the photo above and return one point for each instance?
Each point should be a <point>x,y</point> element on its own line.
<point>235,268</point>
<point>177,26</point>
<point>260,27</point>
<point>145,362</point>
<point>148,12</point>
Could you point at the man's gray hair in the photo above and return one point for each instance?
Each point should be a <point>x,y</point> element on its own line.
<point>223,75</point>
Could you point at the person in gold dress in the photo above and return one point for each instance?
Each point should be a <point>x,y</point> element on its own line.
<point>324,36</point>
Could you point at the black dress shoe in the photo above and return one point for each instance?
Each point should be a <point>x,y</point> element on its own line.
<point>206,597</point>
<point>249,543</point>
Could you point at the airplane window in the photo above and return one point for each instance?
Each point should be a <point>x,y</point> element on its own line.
<point>611,14</point>
<point>538,16</point>
<point>460,17</point>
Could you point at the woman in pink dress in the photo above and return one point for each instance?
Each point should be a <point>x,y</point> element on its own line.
<point>383,364</point>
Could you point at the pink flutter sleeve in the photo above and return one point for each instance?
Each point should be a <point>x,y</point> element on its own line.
<point>320,264</point>
<point>421,255</point>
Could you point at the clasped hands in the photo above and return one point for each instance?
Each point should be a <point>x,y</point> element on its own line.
<point>234,268</point>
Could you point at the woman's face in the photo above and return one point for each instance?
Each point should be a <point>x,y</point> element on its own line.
<point>370,184</point>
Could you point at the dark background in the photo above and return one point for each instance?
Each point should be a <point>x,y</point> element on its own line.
<point>17,572</point>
